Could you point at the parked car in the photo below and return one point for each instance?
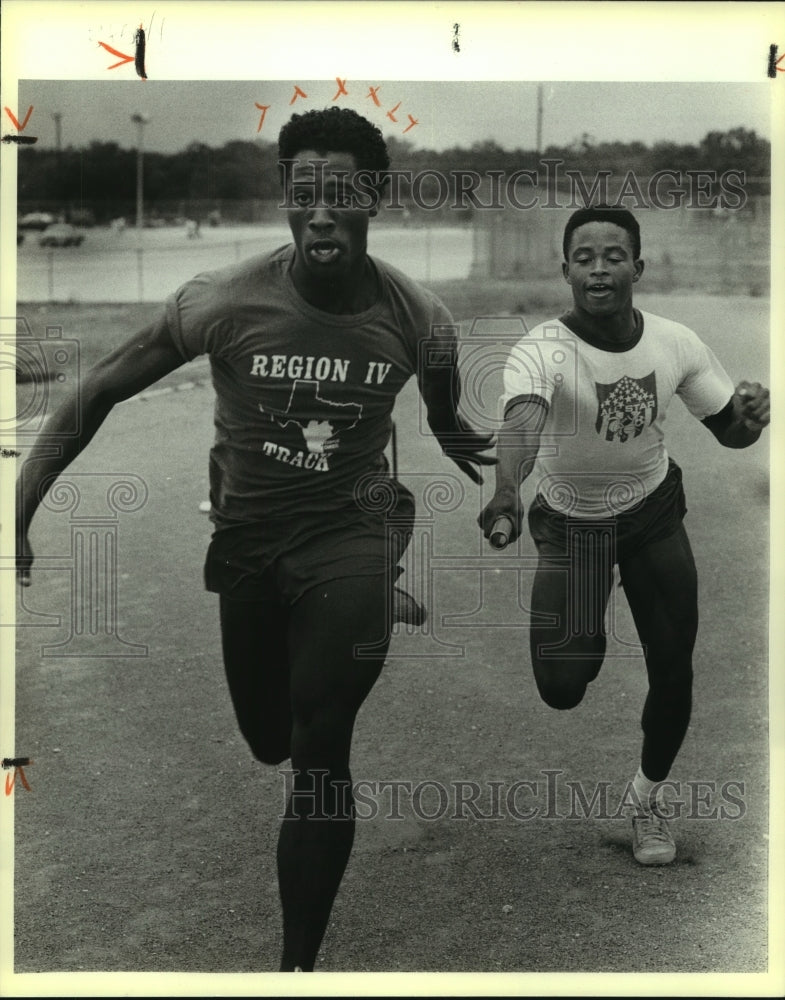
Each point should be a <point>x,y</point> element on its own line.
<point>36,220</point>
<point>61,235</point>
<point>81,217</point>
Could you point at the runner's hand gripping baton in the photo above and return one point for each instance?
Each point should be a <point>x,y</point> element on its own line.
<point>501,531</point>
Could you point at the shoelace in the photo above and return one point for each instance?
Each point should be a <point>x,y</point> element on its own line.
<point>653,826</point>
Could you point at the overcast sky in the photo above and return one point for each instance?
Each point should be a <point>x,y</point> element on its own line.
<point>448,114</point>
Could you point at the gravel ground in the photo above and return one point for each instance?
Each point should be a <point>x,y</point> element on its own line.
<point>147,843</point>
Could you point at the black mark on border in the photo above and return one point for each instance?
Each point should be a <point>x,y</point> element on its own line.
<point>16,762</point>
<point>139,57</point>
<point>772,73</point>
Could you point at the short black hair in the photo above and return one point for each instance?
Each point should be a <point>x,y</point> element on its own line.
<point>337,130</point>
<point>603,213</point>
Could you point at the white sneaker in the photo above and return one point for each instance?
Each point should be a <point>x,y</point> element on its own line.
<point>652,841</point>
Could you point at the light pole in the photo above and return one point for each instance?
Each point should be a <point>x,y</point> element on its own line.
<point>539,118</point>
<point>58,119</point>
<point>140,121</point>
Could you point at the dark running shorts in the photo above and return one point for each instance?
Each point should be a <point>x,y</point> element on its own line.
<point>657,517</point>
<point>279,560</point>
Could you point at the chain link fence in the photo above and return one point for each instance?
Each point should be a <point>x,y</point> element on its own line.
<point>717,251</point>
<point>126,266</point>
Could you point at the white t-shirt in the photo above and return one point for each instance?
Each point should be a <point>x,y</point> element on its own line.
<point>602,448</point>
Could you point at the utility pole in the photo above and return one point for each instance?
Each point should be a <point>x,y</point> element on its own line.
<point>140,121</point>
<point>58,117</point>
<point>539,119</point>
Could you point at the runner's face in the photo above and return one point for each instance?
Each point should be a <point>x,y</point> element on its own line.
<point>330,235</point>
<point>600,268</point>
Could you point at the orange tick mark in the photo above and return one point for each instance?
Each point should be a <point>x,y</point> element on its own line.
<point>264,108</point>
<point>391,112</point>
<point>10,780</point>
<point>12,116</point>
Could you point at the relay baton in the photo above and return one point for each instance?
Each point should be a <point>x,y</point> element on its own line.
<point>501,531</point>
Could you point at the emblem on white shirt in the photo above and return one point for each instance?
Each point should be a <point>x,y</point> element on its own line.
<point>626,407</point>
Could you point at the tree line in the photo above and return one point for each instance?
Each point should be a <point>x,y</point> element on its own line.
<point>103,175</point>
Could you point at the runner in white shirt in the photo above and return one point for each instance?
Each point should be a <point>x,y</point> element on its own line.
<point>584,404</point>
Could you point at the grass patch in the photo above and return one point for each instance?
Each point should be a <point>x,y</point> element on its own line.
<point>101,327</point>
<point>98,328</point>
<point>470,298</point>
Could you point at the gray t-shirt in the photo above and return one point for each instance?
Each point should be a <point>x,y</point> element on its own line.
<point>304,398</point>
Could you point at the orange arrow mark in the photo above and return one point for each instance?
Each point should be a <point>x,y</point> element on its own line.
<point>777,64</point>
<point>123,57</point>
<point>19,128</point>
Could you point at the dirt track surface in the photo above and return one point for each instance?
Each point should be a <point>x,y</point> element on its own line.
<point>147,842</point>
